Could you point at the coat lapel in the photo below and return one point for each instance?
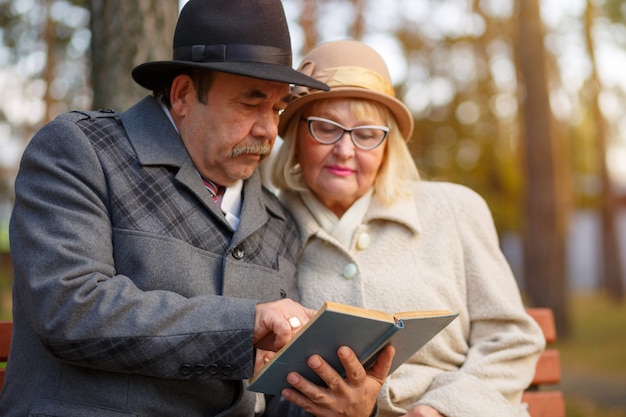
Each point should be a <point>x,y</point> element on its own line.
<point>157,143</point>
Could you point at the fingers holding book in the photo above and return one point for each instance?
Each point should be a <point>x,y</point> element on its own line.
<point>355,393</point>
<point>276,322</point>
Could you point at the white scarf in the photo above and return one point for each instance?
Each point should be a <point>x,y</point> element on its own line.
<point>341,229</point>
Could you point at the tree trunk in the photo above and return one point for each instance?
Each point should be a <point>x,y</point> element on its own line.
<point>125,34</point>
<point>610,262</point>
<point>50,38</point>
<point>544,223</point>
<point>307,21</point>
<point>358,28</point>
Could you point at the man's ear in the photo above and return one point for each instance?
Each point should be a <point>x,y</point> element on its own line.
<point>182,87</point>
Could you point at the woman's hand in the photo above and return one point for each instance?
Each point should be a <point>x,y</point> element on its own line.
<point>423,411</point>
<point>354,396</point>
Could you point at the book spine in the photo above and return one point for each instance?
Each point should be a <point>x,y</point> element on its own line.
<point>368,358</point>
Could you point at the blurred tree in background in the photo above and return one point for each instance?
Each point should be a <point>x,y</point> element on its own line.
<point>124,35</point>
<point>611,268</point>
<point>58,55</point>
<point>543,214</point>
<point>507,99</point>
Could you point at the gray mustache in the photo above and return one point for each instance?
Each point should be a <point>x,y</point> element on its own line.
<point>263,149</point>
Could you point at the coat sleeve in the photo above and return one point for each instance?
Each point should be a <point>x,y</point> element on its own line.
<point>80,308</point>
<point>504,341</point>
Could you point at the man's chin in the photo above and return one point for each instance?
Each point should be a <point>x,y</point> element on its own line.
<point>247,171</point>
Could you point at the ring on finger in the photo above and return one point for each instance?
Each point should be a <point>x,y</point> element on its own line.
<point>295,322</point>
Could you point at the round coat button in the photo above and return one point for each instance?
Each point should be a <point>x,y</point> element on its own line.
<point>363,241</point>
<point>227,370</point>
<point>199,369</point>
<point>213,369</point>
<point>238,252</point>
<point>185,369</point>
<point>349,271</point>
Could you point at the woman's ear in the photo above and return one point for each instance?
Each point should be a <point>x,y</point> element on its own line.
<point>182,86</point>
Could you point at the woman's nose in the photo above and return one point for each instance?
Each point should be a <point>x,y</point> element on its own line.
<point>344,146</point>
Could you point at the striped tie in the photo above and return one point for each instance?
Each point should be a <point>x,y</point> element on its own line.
<point>217,191</point>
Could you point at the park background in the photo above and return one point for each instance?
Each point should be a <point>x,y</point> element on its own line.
<point>521,100</point>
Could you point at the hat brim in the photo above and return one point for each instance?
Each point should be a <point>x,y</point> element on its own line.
<point>398,109</point>
<point>154,75</point>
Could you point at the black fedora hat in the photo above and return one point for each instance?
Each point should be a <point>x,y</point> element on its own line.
<point>242,37</point>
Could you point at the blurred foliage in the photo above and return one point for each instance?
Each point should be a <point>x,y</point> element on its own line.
<point>4,236</point>
<point>616,10</point>
<point>44,54</point>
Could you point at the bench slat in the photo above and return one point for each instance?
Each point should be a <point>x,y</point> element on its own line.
<point>540,400</point>
<point>545,318</point>
<point>548,369</point>
<point>545,403</point>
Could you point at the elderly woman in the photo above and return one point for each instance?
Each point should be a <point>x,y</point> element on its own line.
<point>374,235</point>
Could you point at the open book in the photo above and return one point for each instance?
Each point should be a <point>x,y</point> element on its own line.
<point>365,331</point>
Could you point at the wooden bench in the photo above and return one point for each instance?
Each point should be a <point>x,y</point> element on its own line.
<point>540,402</point>
<point>541,399</point>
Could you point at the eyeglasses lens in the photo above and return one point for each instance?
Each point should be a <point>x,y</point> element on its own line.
<point>363,137</point>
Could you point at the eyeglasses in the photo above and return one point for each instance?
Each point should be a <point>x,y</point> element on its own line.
<point>328,132</point>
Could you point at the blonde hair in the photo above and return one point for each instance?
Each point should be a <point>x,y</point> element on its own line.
<point>397,170</point>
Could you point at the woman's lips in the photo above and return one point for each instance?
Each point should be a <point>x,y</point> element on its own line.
<point>339,170</point>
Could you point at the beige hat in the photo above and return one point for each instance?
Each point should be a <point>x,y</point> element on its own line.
<point>351,69</point>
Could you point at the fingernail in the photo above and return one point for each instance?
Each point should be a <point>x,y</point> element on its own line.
<point>293,378</point>
<point>314,362</point>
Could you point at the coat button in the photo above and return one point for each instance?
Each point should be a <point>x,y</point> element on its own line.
<point>213,369</point>
<point>199,369</point>
<point>238,252</point>
<point>227,370</point>
<point>185,369</point>
<point>350,271</point>
<point>363,241</point>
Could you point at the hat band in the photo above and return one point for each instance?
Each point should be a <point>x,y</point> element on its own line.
<point>344,77</point>
<point>233,53</point>
<point>358,77</point>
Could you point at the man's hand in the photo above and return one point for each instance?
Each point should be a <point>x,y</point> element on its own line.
<point>354,396</point>
<point>275,323</point>
<point>423,411</point>
<point>262,357</point>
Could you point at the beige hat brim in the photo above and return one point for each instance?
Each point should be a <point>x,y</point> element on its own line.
<point>398,109</point>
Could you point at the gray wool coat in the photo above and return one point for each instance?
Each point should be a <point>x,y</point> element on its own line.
<point>132,294</point>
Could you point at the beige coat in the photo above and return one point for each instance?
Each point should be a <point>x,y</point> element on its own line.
<point>437,251</point>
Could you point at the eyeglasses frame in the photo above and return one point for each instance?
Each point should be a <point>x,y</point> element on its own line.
<point>311,119</point>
